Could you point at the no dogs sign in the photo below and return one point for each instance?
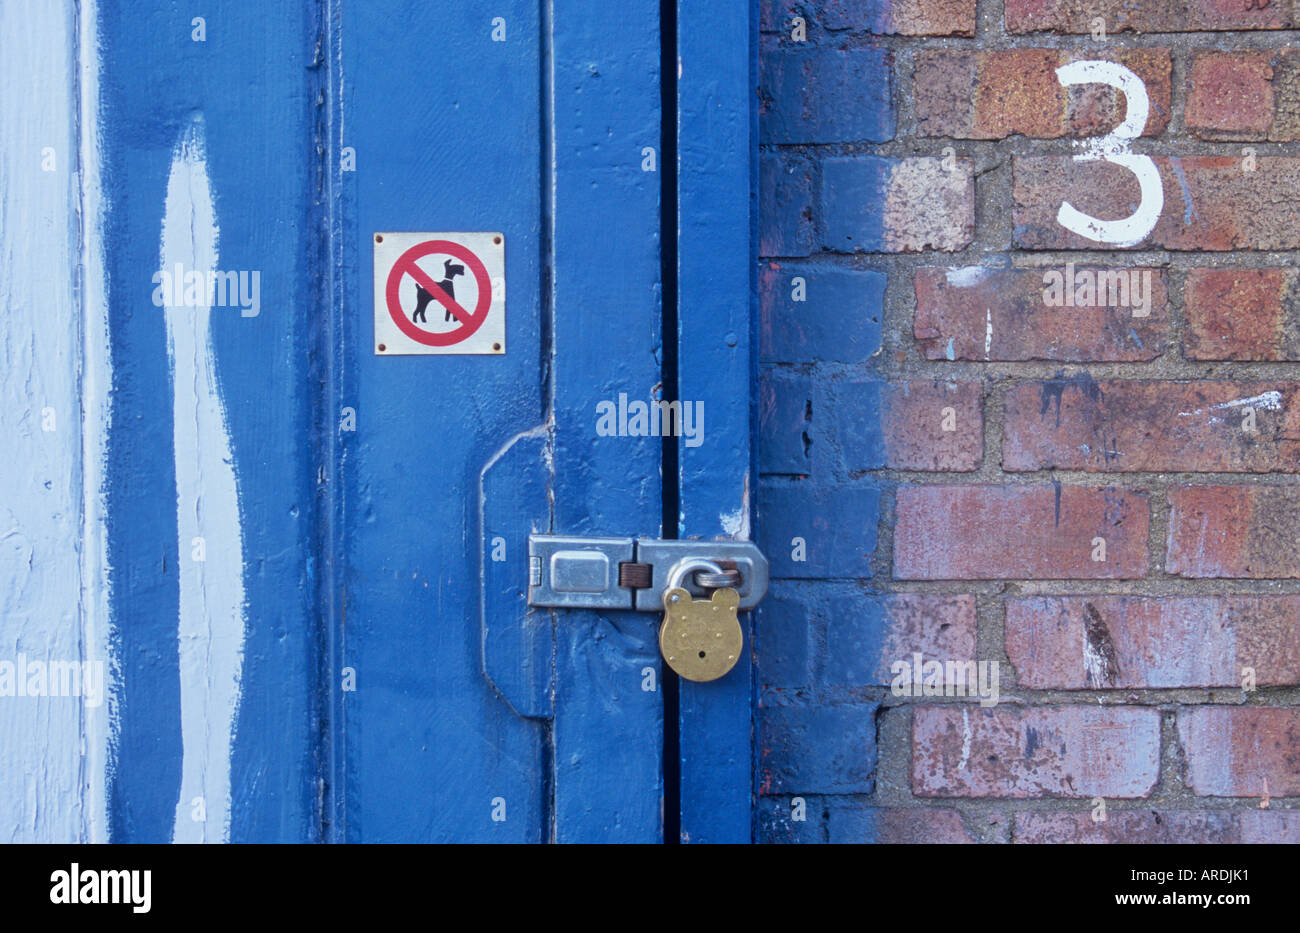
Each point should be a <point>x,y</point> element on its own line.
<point>440,293</point>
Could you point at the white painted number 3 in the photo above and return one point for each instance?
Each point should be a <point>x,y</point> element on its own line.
<point>1113,147</point>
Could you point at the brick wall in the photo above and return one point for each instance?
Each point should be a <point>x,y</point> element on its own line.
<point>960,462</point>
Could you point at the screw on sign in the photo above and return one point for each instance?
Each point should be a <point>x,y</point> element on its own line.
<point>434,293</point>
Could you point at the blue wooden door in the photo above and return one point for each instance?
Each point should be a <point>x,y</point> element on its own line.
<point>303,562</point>
<point>474,719</point>
<point>478,718</point>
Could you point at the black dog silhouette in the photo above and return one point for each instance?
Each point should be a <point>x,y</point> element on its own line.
<point>422,297</point>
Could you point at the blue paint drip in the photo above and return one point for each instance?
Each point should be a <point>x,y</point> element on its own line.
<point>1189,206</point>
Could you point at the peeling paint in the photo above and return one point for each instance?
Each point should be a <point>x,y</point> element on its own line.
<point>967,276</point>
<point>736,524</point>
<point>1270,401</point>
<point>1100,662</point>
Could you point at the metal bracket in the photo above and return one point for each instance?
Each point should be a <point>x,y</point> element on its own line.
<point>577,573</point>
<point>662,555</point>
<point>583,573</point>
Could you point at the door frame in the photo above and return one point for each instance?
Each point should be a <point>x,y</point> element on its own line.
<point>716,220</point>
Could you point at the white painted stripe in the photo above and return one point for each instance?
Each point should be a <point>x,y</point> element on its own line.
<point>211,624</point>
<point>99,729</point>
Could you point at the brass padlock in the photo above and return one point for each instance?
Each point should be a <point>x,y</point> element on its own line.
<point>700,638</point>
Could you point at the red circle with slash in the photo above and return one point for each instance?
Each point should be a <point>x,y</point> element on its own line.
<point>470,321</point>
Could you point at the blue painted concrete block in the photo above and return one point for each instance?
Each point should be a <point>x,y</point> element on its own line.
<point>850,430</point>
<point>777,823</point>
<point>821,749</point>
<point>785,206</point>
<point>856,627</point>
<point>815,95</point>
<point>784,413</point>
<point>781,638</point>
<point>853,202</point>
<point>810,312</point>
<point>833,528</point>
<point>813,312</point>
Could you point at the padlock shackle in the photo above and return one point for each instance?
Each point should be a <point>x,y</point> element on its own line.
<point>685,566</point>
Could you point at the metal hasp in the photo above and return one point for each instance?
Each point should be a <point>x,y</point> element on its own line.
<point>583,573</point>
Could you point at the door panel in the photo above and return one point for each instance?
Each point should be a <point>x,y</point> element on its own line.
<point>444,124</point>
<point>607,335</point>
<point>539,136</point>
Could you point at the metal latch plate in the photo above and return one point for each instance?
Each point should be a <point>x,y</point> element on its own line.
<point>577,573</point>
<point>663,554</point>
<point>583,572</point>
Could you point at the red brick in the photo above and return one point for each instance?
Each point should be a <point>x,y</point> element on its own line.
<point>927,17</point>
<point>1063,751</point>
<point>1041,532</point>
<point>898,17</point>
<point>988,95</point>
<point>876,204</point>
<point>1234,531</point>
<point>863,635</point>
<point>1235,751</point>
<point>1101,642</point>
<point>861,646</point>
<point>913,418</point>
<point>1132,425</point>
<point>1226,207</point>
<point>961,311</point>
<point>971,94</point>
<point>1077,16</point>
<point>1286,96</point>
<point>1160,827</point>
<point>1230,95</point>
<point>1241,314</point>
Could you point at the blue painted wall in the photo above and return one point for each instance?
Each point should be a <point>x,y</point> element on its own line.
<point>824,104</point>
